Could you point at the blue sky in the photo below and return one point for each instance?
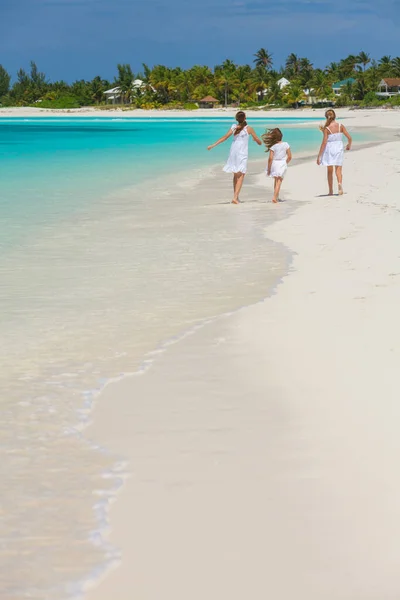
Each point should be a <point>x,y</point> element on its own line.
<point>74,39</point>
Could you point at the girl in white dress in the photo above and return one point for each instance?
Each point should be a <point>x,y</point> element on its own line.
<point>238,155</point>
<point>280,156</point>
<point>332,149</point>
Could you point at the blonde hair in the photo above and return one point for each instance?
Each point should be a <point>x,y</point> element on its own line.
<point>271,137</point>
<point>330,116</point>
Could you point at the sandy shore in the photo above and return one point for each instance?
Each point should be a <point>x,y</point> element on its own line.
<point>358,118</point>
<point>263,448</point>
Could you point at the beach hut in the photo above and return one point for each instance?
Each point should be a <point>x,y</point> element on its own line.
<point>390,86</point>
<point>208,102</point>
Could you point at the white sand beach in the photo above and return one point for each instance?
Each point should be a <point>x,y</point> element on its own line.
<point>263,448</point>
<point>377,117</point>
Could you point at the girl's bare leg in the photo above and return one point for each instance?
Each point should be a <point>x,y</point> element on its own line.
<point>238,187</point>
<point>235,177</point>
<point>330,180</point>
<point>339,177</point>
<point>277,189</point>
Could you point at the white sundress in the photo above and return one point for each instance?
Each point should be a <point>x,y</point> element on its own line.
<point>279,163</point>
<point>239,152</point>
<point>334,150</point>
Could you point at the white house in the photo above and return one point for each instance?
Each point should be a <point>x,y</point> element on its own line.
<point>389,86</point>
<point>114,94</point>
<point>282,82</point>
<point>311,98</point>
<point>339,85</point>
<point>309,93</point>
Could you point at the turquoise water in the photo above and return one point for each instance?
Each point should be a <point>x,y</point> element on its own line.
<point>113,242</point>
<point>51,166</point>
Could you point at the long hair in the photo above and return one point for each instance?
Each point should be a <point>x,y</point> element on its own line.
<point>330,116</point>
<point>271,137</point>
<point>241,120</point>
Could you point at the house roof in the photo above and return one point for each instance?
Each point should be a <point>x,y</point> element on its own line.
<point>283,82</point>
<point>391,81</point>
<point>209,99</point>
<point>340,84</point>
<point>136,84</point>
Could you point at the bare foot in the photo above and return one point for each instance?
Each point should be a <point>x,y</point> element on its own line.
<point>274,200</point>
<point>234,201</point>
<point>340,189</point>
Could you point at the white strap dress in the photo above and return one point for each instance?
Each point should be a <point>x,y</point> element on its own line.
<point>334,150</point>
<point>239,152</point>
<point>279,162</point>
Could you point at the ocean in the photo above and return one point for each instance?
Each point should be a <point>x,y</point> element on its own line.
<point>117,238</point>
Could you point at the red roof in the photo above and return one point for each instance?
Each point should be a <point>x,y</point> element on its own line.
<point>209,99</point>
<point>392,81</point>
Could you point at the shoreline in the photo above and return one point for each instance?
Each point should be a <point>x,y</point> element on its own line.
<point>120,578</point>
<point>359,117</point>
<point>105,480</point>
<point>150,359</point>
<point>195,228</point>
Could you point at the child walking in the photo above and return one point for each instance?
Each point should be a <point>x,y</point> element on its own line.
<point>332,149</point>
<point>280,156</point>
<point>238,155</point>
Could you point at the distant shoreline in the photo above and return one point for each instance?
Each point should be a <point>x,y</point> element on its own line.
<point>377,117</point>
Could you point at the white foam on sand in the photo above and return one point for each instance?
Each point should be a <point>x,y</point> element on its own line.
<point>84,303</point>
<point>263,448</point>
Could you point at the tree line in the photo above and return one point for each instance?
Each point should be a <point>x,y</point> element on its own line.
<point>244,85</point>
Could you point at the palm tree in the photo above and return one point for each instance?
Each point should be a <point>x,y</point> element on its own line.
<point>306,71</point>
<point>263,58</point>
<point>38,79</point>
<point>333,69</point>
<point>293,65</point>
<point>372,78</point>
<point>5,79</point>
<point>294,94</point>
<point>385,66</point>
<point>163,81</point>
<point>227,65</point>
<point>226,82</point>
<point>260,81</point>
<point>245,83</point>
<point>124,81</point>
<point>321,86</point>
<point>348,66</point>
<point>146,75</point>
<point>364,59</point>
<point>360,87</point>
<point>274,93</point>
<point>396,66</point>
<point>225,78</point>
<point>97,90</point>
<point>204,90</point>
<point>201,75</point>
<point>347,93</point>
<point>185,85</point>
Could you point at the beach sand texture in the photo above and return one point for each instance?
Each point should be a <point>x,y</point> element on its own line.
<point>257,453</point>
<point>263,448</point>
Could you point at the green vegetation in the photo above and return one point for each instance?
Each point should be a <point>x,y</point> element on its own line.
<point>241,85</point>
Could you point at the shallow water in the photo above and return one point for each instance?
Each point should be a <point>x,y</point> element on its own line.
<point>101,263</point>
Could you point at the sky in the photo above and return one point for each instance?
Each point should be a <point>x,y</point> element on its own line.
<point>79,39</point>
